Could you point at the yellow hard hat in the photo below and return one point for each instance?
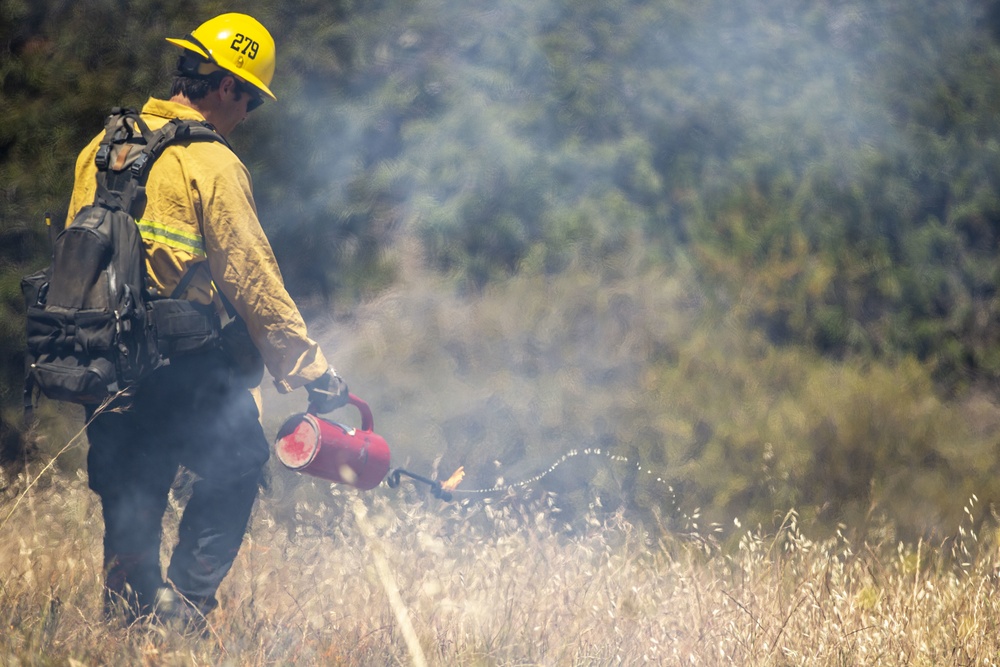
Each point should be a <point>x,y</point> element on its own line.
<point>238,44</point>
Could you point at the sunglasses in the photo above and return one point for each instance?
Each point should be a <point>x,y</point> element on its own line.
<point>256,99</point>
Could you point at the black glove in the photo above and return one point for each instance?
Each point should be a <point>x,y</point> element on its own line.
<point>327,392</point>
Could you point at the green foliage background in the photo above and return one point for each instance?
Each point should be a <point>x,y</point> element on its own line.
<point>751,244</point>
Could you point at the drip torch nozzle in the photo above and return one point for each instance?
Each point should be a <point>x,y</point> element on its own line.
<point>436,490</point>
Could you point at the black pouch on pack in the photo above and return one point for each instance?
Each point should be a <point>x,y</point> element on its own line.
<point>85,324</point>
<point>184,327</point>
<point>34,287</point>
<point>243,356</point>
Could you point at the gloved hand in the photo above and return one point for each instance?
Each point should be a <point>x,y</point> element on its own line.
<point>327,392</point>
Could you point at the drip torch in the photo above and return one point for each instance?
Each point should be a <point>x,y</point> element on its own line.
<point>310,444</point>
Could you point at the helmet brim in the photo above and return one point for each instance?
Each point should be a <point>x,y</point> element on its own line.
<point>190,46</point>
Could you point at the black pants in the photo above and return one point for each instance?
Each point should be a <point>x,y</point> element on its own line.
<point>189,414</point>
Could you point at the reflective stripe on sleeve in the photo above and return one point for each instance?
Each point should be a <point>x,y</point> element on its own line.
<point>175,238</point>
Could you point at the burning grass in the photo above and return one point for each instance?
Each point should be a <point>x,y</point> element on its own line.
<point>393,577</point>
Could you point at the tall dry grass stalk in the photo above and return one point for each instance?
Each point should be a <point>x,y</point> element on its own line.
<point>501,583</point>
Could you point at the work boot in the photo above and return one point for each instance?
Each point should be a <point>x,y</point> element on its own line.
<point>175,612</point>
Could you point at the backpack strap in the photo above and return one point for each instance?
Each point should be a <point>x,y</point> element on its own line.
<point>186,279</point>
<point>188,276</point>
<point>176,131</point>
<point>134,148</point>
<point>29,399</point>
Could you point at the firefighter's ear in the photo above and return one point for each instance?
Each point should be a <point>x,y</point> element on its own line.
<point>229,87</point>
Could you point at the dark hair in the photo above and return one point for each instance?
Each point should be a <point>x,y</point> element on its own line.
<point>197,87</point>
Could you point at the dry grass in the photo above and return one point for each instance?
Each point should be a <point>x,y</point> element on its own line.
<point>328,576</point>
<point>501,583</point>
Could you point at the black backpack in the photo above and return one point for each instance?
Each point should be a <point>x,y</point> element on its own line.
<point>92,327</point>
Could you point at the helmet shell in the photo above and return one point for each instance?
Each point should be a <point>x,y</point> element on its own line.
<point>238,44</point>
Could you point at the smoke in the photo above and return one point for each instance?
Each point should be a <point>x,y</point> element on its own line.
<point>544,154</point>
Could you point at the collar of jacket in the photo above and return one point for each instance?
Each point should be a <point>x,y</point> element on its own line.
<point>167,109</point>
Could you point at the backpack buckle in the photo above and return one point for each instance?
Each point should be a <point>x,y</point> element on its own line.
<point>103,157</point>
<point>139,166</point>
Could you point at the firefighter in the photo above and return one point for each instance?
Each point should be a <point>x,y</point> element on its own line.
<point>202,411</point>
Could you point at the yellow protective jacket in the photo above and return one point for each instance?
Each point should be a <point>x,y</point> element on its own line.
<point>200,207</point>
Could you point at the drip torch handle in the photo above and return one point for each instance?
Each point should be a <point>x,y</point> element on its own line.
<point>367,420</point>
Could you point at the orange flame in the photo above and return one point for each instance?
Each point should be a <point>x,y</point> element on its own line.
<point>456,478</point>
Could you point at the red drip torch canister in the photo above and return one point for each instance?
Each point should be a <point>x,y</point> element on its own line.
<point>322,448</point>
